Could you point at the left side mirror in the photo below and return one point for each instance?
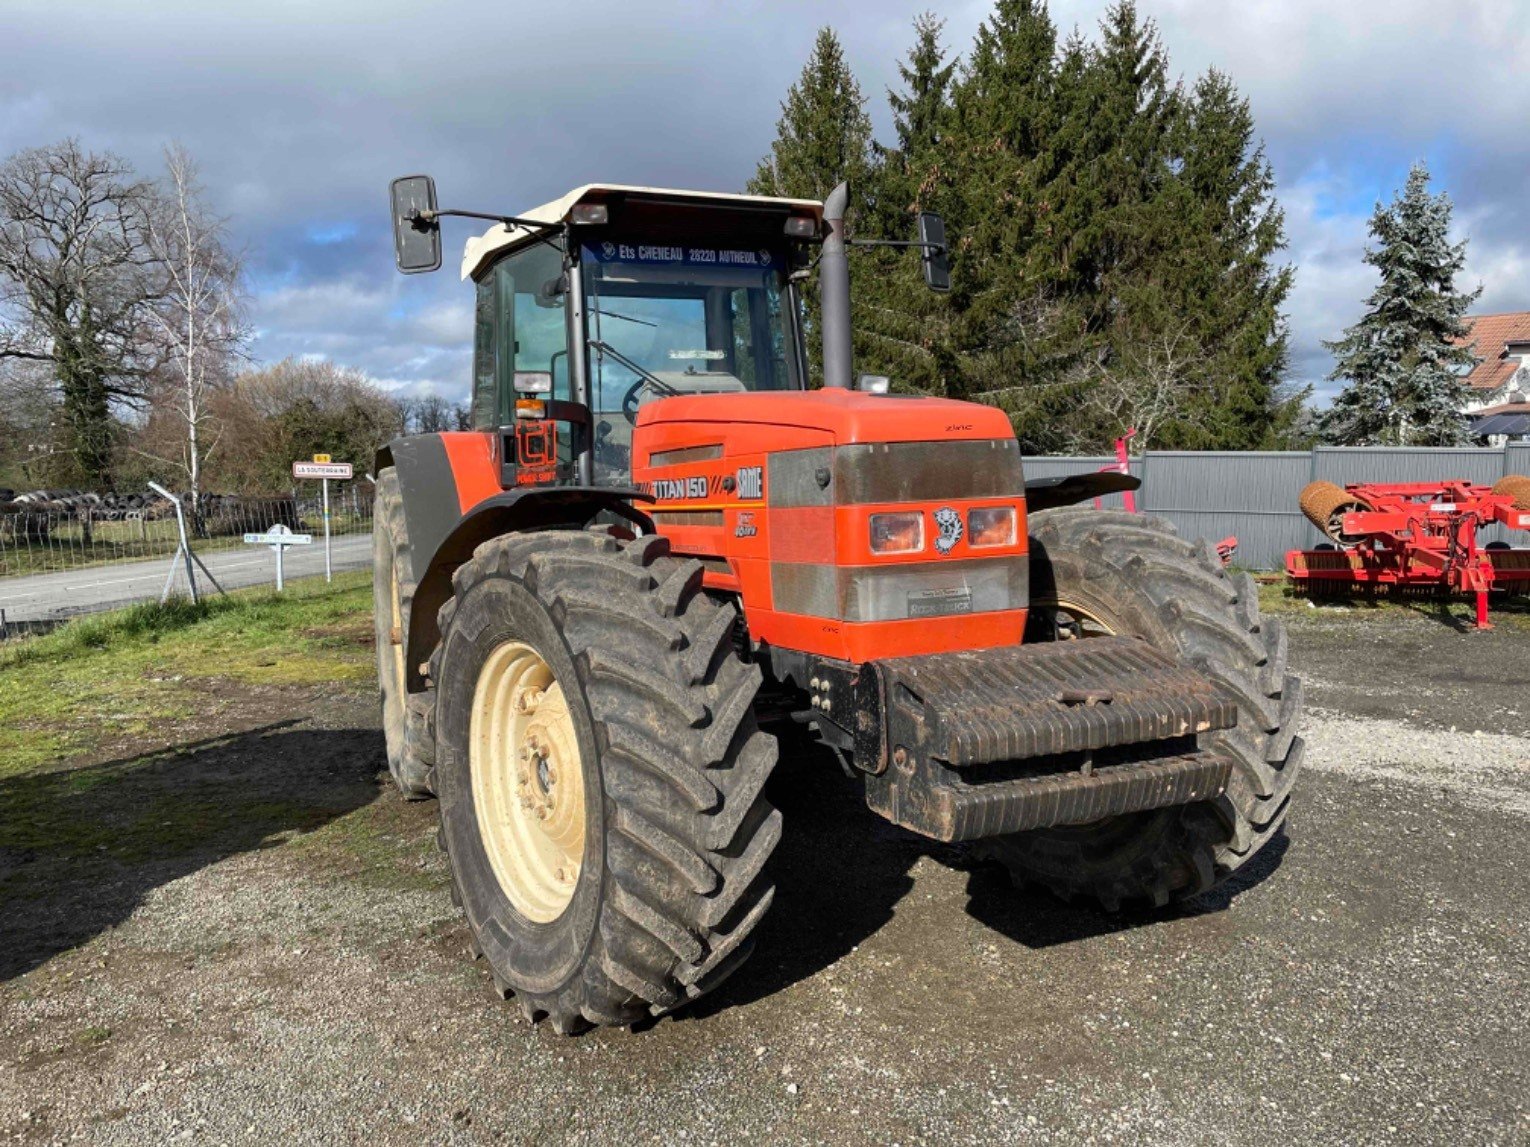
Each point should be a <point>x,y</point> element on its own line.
<point>416,236</point>
<point>937,266</point>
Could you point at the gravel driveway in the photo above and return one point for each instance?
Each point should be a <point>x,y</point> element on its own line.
<point>301,975</point>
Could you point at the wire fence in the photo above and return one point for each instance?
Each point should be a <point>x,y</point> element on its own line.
<point>63,553</point>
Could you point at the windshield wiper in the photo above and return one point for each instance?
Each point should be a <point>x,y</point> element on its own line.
<point>642,372</point>
<point>626,318</point>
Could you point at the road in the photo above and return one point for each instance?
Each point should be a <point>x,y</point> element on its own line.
<point>298,981</point>
<point>43,597</point>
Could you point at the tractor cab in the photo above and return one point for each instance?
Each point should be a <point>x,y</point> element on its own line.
<point>603,301</point>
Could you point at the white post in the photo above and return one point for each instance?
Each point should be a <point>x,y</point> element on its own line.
<point>326,531</point>
<point>280,550</point>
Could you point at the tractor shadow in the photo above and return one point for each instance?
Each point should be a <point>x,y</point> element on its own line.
<point>841,870</point>
<point>81,848</point>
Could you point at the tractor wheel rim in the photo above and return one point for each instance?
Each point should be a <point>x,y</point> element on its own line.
<point>1086,622</point>
<point>528,781</point>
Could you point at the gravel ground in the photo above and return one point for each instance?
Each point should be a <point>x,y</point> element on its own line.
<point>307,981</point>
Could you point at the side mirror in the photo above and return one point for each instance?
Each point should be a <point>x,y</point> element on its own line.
<point>416,233</point>
<point>937,265</point>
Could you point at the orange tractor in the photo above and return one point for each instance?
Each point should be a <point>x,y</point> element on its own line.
<point>656,522</point>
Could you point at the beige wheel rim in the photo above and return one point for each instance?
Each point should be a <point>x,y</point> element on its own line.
<point>528,783</point>
<point>1086,622</point>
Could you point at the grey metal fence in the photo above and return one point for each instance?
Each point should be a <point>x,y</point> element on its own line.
<point>66,553</point>
<point>1216,494</point>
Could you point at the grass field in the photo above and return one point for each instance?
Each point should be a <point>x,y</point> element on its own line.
<point>156,735</point>
<point>113,676</point>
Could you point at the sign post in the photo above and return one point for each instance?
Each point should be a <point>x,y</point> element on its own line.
<point>278,537</point>
<point>323,469</point>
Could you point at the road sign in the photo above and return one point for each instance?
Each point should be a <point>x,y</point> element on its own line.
<point>321,467</point>
<point>321,470</point>
<point>277,537</point>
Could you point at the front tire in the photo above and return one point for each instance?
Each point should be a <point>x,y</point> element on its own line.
<point>651,899</point>
<point>1108,572</point>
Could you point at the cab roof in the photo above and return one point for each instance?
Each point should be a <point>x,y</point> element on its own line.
<point>481,249</point>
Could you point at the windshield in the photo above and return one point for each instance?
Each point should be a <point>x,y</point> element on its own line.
<point>691,320</point>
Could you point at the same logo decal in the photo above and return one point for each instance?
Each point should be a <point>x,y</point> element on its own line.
<point>751,482</point>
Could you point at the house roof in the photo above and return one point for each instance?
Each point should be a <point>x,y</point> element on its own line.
<point>1503,408</point>
<point>1509,418</point>
<point>1492,334</point>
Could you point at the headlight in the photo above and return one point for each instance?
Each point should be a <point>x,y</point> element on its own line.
<point>901,533</point>
<point>991,526</point>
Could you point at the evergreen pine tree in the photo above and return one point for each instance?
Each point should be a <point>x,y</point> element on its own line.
<point>899,323</point>
<point>995,172</point>
<point>1114,238</point>
<point>1115,224</point>
<point>1227,282</point>
<point>920,109</point>
<point>824,133</point>
<point>822,138</point>
<point>1403,373</point>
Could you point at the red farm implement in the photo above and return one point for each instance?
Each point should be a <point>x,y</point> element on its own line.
<point>1418,535</point>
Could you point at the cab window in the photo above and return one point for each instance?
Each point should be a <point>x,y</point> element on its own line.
<point>520,325</point>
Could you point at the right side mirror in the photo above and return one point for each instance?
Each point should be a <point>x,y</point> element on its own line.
<point>937,266</point>
<point>416,236</point>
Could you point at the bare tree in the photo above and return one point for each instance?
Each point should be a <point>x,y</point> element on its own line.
<point>201,315</point>
<point>79,286</point>
<point>432,414</point>
<point>1149,383</point>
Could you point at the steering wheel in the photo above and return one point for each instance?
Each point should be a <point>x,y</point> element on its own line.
<point>630,401</point>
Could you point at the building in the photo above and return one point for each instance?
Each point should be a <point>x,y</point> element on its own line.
<point>1500,404</point>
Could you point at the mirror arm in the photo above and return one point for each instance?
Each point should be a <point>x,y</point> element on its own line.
<point>543,232</point>
<point>430,217</point>
<point>896,243</point>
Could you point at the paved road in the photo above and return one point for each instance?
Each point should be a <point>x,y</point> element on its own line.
<point>42,597</point>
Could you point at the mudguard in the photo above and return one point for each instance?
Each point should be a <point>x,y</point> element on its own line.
<point>1045,493</point>
<point>454,502</point>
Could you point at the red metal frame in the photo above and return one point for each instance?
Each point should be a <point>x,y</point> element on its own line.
<point>1420,534</point>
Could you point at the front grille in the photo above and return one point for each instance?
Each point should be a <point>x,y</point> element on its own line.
<point>867,473</point>
<point>927,471</point>
<point>803,487</point>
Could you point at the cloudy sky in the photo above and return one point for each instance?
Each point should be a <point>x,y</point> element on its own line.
<point>300,112</point>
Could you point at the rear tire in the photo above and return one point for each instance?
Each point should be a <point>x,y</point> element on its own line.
<point>405,716</point>
<point>659,726</point>
<point>1134,576</point>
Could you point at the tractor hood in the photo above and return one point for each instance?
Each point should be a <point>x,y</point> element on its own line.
<point>848,416</point>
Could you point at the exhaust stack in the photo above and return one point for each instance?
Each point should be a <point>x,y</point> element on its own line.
<point>834,285</point>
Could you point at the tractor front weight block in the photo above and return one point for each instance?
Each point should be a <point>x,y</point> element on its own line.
<point>988,742</point>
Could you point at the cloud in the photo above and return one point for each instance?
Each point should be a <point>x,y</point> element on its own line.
<point>300,112</point>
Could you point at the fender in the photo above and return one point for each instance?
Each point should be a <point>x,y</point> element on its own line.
<point>453,502</point>
<point>1047,493</point>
